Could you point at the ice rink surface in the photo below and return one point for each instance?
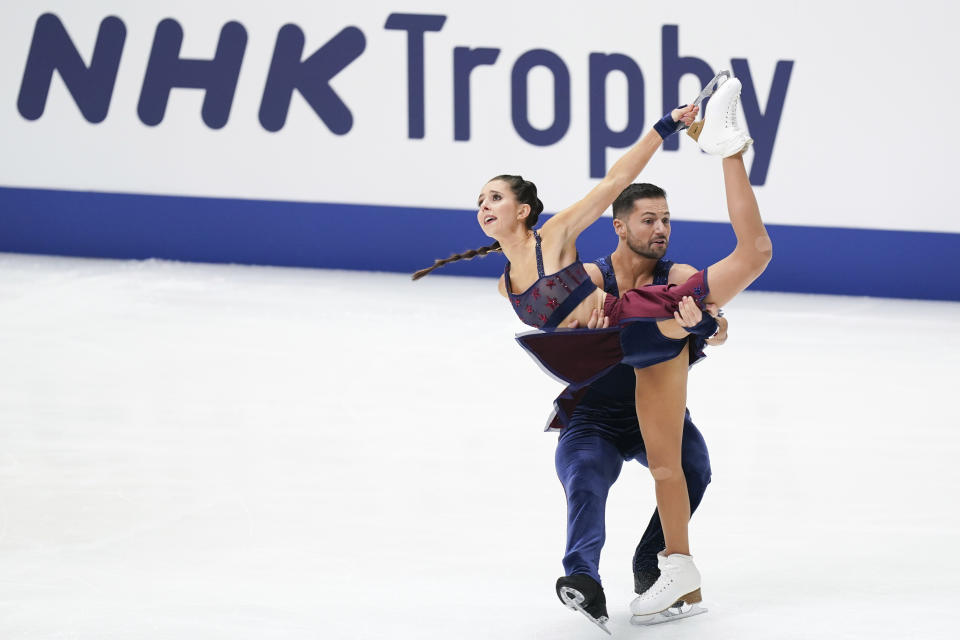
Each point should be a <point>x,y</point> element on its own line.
<point>246,453</point>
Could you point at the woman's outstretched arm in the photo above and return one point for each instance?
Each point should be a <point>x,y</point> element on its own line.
<point>570,222</point>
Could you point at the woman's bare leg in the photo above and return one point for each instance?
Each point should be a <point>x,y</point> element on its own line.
<point>738,270</point>
<point>661,402</point>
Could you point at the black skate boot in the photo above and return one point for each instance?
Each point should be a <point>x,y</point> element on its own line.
<point>583,593</point>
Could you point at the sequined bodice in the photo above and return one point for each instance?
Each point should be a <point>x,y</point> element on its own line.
<point>552,297</point>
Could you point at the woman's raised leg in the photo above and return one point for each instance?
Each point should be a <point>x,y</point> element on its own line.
<point>723,136</point>
<point>754,249</point>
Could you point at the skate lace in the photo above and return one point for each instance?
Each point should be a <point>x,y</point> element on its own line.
<point>731,116</point>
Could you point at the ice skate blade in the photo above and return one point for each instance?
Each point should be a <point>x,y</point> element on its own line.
<point>710,87</point>
<point>573,599</point>
<point>708,90</point>
<point>678,611</point>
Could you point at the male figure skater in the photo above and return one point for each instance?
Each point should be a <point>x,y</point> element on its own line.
<point>603,430</point>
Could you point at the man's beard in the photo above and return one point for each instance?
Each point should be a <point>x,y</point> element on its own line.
<point>647,251</point>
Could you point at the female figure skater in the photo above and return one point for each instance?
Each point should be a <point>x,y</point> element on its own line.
<point>549,288</point>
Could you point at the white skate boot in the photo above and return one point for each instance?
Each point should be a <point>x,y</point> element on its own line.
<point>719,133</point>
<point>677,588</point>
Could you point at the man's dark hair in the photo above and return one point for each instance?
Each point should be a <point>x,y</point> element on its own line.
<point>623,205</point>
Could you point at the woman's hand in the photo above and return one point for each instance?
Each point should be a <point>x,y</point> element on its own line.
<point>675,120</point>
<point>685,114</point>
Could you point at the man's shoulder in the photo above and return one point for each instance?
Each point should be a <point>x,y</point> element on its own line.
<point>602,266</point>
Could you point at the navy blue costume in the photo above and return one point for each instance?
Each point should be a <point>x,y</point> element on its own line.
<point>552,297</point>
<point>602,431</point>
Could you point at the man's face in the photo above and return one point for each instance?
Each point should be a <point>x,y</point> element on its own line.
<point>646,230</point>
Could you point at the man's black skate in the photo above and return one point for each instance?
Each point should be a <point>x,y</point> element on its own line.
<point>583,593</point>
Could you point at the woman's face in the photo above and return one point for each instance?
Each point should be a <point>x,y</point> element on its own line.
<point>497,209</point>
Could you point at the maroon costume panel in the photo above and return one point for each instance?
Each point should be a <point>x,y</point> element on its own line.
<point>574,355</point>
<point>655,301</point>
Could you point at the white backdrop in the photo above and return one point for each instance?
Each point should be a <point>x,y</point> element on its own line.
<point>864,138</point>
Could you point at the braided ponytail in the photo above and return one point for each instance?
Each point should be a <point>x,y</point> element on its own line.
<point>466,255</point>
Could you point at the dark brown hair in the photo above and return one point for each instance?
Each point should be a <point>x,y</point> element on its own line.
<point>526,193</point>
<point>623,205</point>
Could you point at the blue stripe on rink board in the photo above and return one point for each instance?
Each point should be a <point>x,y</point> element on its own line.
<point>901,264</point>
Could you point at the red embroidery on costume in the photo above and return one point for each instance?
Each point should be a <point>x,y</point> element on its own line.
<point>536,294</point>
<point>553,303</point>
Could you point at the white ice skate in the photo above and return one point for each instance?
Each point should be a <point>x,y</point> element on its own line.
<point>719,133</point>
<point>675,594</point>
